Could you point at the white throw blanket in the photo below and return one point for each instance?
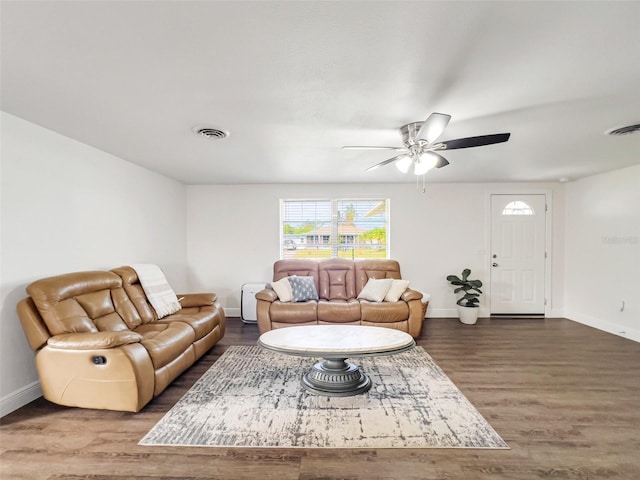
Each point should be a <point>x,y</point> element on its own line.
<point>159,293</point>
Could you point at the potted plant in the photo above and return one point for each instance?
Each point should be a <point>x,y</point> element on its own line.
<point>467,304</point>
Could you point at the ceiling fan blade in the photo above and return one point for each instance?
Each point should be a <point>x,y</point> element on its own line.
<point>433,127</point>
<point>442,162</point>
<point>362,147</point>
<point>475,141</point>
<point>386,162</point>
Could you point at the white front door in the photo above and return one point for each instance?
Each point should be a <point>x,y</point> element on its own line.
<point>517,254</point>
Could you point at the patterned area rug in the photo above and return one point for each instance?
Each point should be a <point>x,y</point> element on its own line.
<point>252,397</point>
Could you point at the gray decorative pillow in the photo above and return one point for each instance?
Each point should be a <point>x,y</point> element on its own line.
<point>302,289</point>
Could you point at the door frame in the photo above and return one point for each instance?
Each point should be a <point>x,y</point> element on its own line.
<point>548,236</point>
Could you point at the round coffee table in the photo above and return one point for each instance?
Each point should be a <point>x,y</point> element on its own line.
<point>335,343</point>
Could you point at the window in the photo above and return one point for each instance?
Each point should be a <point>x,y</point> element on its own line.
<point>518,208</point>
<point>339,228</point>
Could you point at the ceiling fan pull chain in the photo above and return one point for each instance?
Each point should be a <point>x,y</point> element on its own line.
<point>424,183</point>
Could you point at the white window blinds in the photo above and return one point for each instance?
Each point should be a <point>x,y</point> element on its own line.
<point>337,228</point>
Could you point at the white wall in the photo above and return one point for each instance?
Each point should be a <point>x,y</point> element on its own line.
<point>233,234</point>
<point>603,251</point>
<point>68,207</point>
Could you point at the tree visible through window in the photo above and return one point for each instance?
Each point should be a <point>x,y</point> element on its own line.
<point>340,228</point>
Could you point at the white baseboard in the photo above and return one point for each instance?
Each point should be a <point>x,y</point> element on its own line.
<point>436,313</point>
<point>553,313</point>
<point>609,327</point>
<point>484,313</point>
<point>19,398</point>
<point>442,313</point>
<point>452,313</point>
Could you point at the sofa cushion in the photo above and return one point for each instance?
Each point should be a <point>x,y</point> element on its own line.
<point>201,322</point>
<point>165,341</point>
<point>337,279</point>
<point>69,303</point>
<point>298,267</point>
<point>125,308</point>
<point>303,289</point>
<point>375,268</point>
<point>375,290</point>
<point>133,289</point>
<point>339,311</point>
<point>111,323</point>
<point>386,312</point>
<point>294,312</point>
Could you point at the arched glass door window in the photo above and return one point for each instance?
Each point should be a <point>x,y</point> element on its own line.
<point>518,208</point>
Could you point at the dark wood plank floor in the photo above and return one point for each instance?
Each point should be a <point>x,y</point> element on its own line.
<point>565,397</point>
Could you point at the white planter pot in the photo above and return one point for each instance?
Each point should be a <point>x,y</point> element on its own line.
<point>468,315</point>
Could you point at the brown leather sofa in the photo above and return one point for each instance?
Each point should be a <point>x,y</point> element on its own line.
<point>339,282</point>
<point>99,343</point>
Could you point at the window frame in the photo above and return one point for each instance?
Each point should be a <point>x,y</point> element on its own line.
<point>334,229</point>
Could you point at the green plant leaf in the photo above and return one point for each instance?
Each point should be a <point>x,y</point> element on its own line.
<point>470,288</point>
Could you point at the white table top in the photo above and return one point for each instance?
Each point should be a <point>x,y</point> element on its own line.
<point>336,340</point>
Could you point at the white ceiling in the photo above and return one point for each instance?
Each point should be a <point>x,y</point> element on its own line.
<point>294,81</point>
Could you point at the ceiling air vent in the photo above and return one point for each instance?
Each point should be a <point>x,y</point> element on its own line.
<point>210,132</point>
<point>623,130</point>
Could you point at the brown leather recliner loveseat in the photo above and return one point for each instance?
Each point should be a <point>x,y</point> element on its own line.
<point>339,283</point>
<point>99,342</point>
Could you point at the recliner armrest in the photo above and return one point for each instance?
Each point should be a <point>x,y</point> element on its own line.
<point>188,300</point>
<point>268,295</point>
<point>409,295</point>
<point>92,341</point>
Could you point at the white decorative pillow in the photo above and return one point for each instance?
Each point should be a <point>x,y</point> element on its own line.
<point>375,289</point>
<point>283,289</point>
<point>397,289</point>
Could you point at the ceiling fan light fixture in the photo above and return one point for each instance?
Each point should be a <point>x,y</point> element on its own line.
<point>404,164</point>
<point>420,150</point>
<point>424,163</point>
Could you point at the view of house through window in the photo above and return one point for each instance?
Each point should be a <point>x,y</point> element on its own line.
<point>340,228</point>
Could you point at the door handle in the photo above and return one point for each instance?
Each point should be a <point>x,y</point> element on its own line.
<point>494,264</point>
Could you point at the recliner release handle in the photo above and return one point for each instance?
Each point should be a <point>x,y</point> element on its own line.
<point>99,360</point>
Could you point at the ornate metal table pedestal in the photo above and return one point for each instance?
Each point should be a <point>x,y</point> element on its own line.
<point>336,378</point>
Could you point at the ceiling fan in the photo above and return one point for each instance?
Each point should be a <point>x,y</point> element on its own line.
<point>420,147</point>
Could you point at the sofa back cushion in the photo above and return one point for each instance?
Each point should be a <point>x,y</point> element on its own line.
<point>78,302</point>
<point>375,268</point>
<point>337,279</point>
<point>300,268</point>
<point>134,308</point>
